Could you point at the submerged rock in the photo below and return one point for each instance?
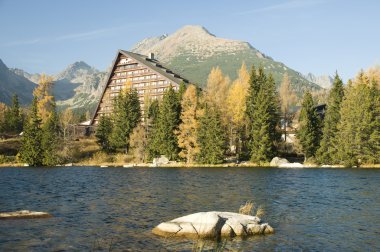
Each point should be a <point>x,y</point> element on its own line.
<point>24,214</point>
<point>213,225</point>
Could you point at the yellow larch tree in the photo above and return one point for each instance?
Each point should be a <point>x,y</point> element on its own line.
<point>217,90</point>
<point>187,133</point>
<point>373,74</point>
<point>236,104</point>
<point>44,95</point>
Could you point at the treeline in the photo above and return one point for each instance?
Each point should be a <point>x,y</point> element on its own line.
<point>240,119</point>
<point>43,130</point>
<point>350,132</point>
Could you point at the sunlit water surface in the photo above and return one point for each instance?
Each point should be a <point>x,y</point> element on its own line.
<point>102,209</point>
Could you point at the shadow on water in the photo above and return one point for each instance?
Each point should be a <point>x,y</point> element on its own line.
<point>98,209</point>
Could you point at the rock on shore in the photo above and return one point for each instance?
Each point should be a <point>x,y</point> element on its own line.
<point>24,214</point>
<point>213,225</point>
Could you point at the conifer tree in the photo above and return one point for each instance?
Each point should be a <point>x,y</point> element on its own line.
<point>103,133</point>
<point>187,133</point>
<point>50,139</point>
<point>211,137</point>
<point>263,117</point>
<point>43,92</point>
<point>3,115</point>
<point>31,151</point>
<point>359,127</point>
<point>288,98</point>
<point>125,118</point>
<point>309,132</point>
<point>14,116</point>
<point>326,152</point>
<point>163,140</point>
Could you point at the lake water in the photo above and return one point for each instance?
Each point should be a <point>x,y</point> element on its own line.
<point>101,209</point>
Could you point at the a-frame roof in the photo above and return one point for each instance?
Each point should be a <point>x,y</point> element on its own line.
<point>144,60</point>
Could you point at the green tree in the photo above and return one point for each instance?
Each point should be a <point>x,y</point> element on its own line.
<point>263,117</point>
<point>125,117</point>
<point>163,140</point>
<point>31,151</point>
<point>211,137</point>
<point>15,120</point>
<point>50,139</point>
<point>326,151</point>
<point>358,139</point>
<point>309,133</point>
<point>103,133</point>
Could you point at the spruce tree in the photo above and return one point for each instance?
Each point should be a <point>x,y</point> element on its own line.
<point>103,133</point>
<point>309,132</point>
<point>15,117</point>
<point>125,117</point>
<point>50,139</point>
<point>211,137</point>
<point>263,117</point>
<point>163,140</point>
<point>358,139</point>
<point>326,152</point>
<point>31,151</point>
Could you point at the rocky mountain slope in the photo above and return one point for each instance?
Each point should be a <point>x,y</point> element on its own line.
<point>324,81</point>
<point>192,51</point>
<point>11,83</point>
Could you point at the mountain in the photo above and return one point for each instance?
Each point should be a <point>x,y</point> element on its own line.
<point>82,83</point>
<point>11,83</point>
<point>78,86</point>
<point>192,51</point>
<point>324,81</point>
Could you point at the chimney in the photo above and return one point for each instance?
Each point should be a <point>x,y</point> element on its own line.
<point>151,56</point>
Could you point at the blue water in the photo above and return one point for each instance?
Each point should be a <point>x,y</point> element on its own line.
<point>102,209</point>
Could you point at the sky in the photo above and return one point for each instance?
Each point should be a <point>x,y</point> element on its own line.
<point>317,36</point>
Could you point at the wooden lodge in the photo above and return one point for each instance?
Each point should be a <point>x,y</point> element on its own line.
<point>143,73</point>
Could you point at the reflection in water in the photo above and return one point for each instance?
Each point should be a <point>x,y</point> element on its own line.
<point>115,208</point>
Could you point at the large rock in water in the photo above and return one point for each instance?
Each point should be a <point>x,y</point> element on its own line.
<point>213,225</point>
<point>276,161</point>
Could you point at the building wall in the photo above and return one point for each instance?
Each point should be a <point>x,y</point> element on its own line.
<point>130,73</point>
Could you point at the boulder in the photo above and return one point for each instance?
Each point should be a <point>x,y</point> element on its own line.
<point>213,225</point>
<point>276,161</point>
<point>160,161</point>
<point>24,214</point>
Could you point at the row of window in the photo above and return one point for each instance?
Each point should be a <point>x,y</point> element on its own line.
<point>136,72</point>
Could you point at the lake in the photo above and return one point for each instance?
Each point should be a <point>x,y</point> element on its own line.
<point>101,209</point>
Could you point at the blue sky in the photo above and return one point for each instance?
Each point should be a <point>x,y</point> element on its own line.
<point>318,36</point>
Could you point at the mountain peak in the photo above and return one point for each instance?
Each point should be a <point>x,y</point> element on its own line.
<point>194,30</point>
<point>74,70</point>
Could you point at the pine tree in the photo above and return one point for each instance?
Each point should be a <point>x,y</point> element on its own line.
<point>126,116</point>
<point>187,133</point>
<point>211,137</point>
<point>358,137</point>
<point>326,152</point>
<point>31,151</point>
<point>309,132</point>
<point>50,139</point>
<point>3,115</point>
<point>163,140</point>
<point>103,133</point>
<point>263,117</point>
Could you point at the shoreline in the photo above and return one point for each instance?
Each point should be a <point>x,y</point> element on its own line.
<point>184,165</point>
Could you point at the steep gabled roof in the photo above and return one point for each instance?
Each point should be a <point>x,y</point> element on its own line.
<point>144,60</point>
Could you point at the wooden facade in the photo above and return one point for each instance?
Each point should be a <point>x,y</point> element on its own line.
<point>143,73</point>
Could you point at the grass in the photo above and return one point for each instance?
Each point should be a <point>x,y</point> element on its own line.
<point>249,209</point>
